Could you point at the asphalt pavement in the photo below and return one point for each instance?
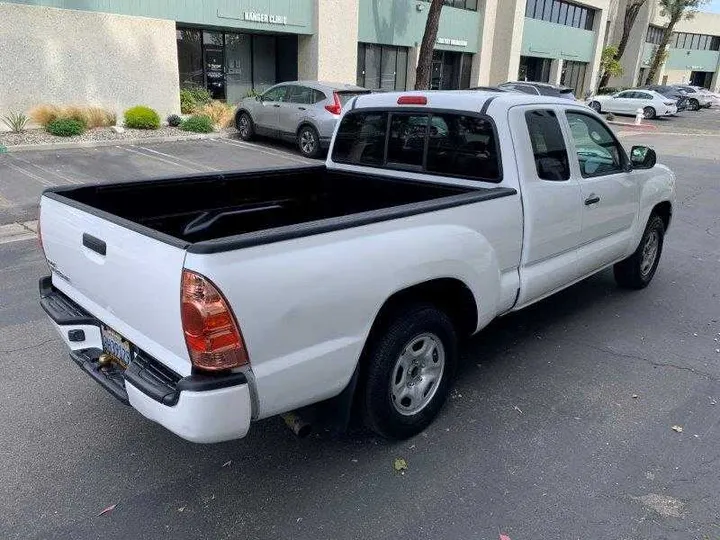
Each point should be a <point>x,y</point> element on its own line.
<point>560,425</point>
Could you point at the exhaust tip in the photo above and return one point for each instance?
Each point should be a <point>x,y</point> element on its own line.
<point>297,425</point>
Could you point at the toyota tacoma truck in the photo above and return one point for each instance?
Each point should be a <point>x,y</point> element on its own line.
<point>210,301</point>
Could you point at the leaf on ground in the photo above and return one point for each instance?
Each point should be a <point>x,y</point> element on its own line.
<point>679,429</point>
<point>107,510</point>
<point>400,465</point>
<point>227,463</point>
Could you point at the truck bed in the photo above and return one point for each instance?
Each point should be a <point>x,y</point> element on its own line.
<point>204,211</point>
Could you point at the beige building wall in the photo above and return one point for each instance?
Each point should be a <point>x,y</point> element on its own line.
<point>331,53</point>
<point>482,61</point>
<point>631,60</point>
<point>65,57</point>
<point>702,22</point>
<point>507,40</point>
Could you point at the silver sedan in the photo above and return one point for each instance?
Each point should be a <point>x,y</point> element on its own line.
<point>305,112</point>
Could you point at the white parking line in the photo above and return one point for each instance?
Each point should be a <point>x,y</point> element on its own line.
<point>43,169</point>
<point>15,232</point>
<point>191,162</point>
<point>39,179</point>
<point>193,169</point>
<point>263,150</point>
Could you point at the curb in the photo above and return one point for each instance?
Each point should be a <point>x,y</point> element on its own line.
<point>119,142</point>
<point>627,125</point>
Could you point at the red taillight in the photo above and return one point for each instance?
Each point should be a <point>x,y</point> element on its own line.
<point>412,100</point>
<point>335,108</point>
<point>212,336</point>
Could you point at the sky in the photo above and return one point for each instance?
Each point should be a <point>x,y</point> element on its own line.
<point>713,6</point>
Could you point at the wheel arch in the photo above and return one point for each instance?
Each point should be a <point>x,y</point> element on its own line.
<point>306,123</point>
<point>664,210</point>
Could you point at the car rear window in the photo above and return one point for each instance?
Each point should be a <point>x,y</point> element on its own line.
<point>347,96</point>
<point>440,143</point>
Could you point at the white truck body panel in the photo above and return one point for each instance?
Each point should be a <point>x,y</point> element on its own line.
<point>305,306</point>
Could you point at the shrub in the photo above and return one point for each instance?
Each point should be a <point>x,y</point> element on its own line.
<point>142,117</point>
<point>198,123</point>
<point>16,121</point>
<point>66,127</point>
<point>609,90</point>
<point>220,113</point>
<point>42,115</point>
<point>99,117</point>
<point>192,97</point>
<point>174,120</point>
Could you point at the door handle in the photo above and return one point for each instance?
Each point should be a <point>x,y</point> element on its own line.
<point>592,199</point>
<point>302,108</point>
<point>276,105</point>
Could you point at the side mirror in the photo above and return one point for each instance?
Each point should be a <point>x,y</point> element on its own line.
<point>643,157</point>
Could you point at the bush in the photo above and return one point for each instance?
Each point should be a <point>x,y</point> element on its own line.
<point>66,127</point>
<point>42,115</point>
<point>198,123</point>
<point>99,117</point>
<point>220,113</point>
<point>193,97</point>
<point>142,117</point>
<point>16,121</point>
<point>174,120</point>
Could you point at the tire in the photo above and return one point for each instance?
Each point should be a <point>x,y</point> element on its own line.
<point>595,106</point>
<point>694,105</point>
<point>404,388</point>
<point>649,113</point>
<point>308,142</point>
<point>637,271</point>
<point>245,127</point>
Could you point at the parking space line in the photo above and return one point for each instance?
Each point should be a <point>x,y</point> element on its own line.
<point>43,169</point>
<point>263,150</point>
<point>193,169</point>
<point>39,179</point>
<point>4,202</point>
<point>191,162</point>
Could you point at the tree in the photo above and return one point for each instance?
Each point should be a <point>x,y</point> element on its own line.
<point>674,10</point>
<point>631,12</point>
<point>424,67</point>
<point>610,64</point>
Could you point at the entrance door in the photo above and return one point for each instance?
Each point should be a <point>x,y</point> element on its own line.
<point>701,78</point>
<point>214,58</point>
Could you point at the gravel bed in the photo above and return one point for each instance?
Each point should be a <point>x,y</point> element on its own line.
<point>40,136</point>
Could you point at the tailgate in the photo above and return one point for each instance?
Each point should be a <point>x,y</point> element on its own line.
<point>134,287</point>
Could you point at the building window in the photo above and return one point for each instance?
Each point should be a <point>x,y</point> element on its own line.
<point>450,70</point>
<point>654,35</point>
<point>471,5</point>
<point>701,42</point>
<point>230,64</point>
<point>573,76</point>
<point>561,12</point>
<point>534,69</point>
<point>382,67</point>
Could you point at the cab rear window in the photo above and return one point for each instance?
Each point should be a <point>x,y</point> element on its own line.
<point>441,143</point>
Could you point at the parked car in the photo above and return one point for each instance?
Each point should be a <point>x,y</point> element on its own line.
<point>209,302</point>
<point>698,97</point>
<point>539,89</point>
<point>490,89</point>
<point>305,112</point>
<point>678,96</point>
<point>652,103</point>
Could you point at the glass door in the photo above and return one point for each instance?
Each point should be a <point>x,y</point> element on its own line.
<point>214,58</point>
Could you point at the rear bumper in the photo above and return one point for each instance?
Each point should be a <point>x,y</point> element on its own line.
<point>198,408</point>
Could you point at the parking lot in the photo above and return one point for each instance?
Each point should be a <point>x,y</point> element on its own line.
<point>703,121</point>
<point>560,425</point>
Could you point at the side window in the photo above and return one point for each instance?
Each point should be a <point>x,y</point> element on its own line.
<point>361,138</point>
<point>318,96</point>
<point>548,145</point>
<point>406,143</point>
<point>300,94</point>
<point>625,95</point>
<point>275,94</point>
<point>463,146</point>
<point>597,150</point>
<point>526,89</point>
<point>643,95</point>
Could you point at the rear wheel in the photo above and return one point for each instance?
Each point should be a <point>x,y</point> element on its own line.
<point>595,105</point>
<point>308,142</point>
<point>410,366</point>
<point>694,105</point>
<point>649,113</point>
<point>637,271</point>
<point>245,127</point>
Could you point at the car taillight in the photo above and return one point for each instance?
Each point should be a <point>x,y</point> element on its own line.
<point>212,336</point>
<point>336,107</point>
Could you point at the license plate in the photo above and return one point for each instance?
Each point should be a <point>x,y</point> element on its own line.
<point>114,344</point>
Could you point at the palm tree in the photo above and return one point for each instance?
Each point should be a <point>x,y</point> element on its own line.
<point>631,12</point>
<point>674,10</point>
<point>424,67</point>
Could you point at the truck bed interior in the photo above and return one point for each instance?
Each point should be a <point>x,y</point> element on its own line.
<point>200,208</point>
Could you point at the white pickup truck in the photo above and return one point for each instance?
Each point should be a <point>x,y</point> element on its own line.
<point>207,302</point>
